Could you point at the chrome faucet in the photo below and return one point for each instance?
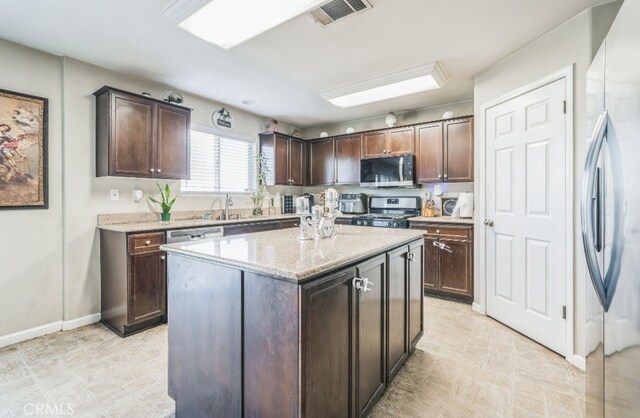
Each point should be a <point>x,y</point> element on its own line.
<point>228,202</point>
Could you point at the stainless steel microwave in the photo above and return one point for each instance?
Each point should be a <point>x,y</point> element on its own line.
<point>387,171</point>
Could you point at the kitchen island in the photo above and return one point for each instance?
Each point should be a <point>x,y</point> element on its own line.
<point>265,325</point>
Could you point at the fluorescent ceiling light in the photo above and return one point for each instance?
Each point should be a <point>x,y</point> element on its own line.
<point>403,83</point>
<point>228,23</point>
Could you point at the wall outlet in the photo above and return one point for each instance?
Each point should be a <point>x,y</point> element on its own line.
<point>137,195</point>
<point>115,194</point>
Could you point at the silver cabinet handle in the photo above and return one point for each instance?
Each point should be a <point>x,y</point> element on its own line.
<point>362,283</point>
<point>147,242</point>
<point>411,256</point>
<point>442,246</point>
<point>163,257</point>
<point>586,208</point>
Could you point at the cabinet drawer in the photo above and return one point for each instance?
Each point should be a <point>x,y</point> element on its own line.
<point>439,230</point>
<point>139,243</point>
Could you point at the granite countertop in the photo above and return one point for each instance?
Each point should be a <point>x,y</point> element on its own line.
<point>188,223</point>
<point>278,253</point>
<point>442,219</point>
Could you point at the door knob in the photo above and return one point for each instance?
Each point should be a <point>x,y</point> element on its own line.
<point>488,222</point>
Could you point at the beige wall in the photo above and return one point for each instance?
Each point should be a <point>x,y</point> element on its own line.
<point>31,240</point>
<point>461,108</point>
<point>570,44</point>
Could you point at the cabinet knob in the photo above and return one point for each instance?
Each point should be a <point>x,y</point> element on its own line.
<point>159,171</point>
<point>162,257</point>
<point>437,231</point>
<point>147,242</point>
<point>152,170</point>
<point>446,175</point>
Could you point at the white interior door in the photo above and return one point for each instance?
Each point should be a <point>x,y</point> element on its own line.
<point>525,201</point>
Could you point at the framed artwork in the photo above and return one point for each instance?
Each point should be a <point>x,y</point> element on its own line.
<point>23,151</point>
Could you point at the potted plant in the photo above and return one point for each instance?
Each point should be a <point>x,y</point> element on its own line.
<point>166,203</point>
<point>261,185</point>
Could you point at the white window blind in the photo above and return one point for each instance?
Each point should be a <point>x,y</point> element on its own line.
<point>220,163</point>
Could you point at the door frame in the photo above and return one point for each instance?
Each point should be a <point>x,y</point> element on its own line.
<point>480,244</point>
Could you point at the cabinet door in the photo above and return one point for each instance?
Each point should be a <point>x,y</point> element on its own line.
<point>281,165</point>
<point>397,346</point>
<point>322,162</point>
<point>348,153</point>
<point>416,296</point>
<point>429,153</point>
<point>456,267</point>
<point>458,150</point>
<point>131,147</point>
<point>374,144</point>
<point>172,142</point>
<point>431,264</point>
<point>401,141</point>
<point>147,286</point>
<point>370,334</point>
<point>296,162</point>
<point>289,223</point>
<point>327,344</point>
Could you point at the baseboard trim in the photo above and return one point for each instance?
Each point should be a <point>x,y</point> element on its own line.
<point>81,322</point>
<point>478,308</point>
<point>28,334</point>
<point>578,361</point>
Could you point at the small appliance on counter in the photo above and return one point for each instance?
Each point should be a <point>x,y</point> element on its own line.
<point>354,203</point>
<point>310,196</point>
<point>288,205</point>
<point>464,206</point>
<point>390,212</point>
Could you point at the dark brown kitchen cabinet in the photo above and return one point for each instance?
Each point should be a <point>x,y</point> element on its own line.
<point>444,151</point>
<point>397,314</point>
<point>415,298</point>
<point>388,142</point>
<point>344,364</point>
<point>458,150</point>
<point>141,137</point>
<point>429,153</point>
<point>448,260</point>
<point>289,223</point>
<point>322,162</point>
<point>347,156</point>
<point>133,281</point>
<point>285,158</point>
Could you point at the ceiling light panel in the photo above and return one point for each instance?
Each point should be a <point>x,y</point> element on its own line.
<point>227,23</point>
<point>403,83</point>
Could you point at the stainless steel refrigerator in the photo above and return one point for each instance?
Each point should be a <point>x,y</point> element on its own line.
<point>610,221</point>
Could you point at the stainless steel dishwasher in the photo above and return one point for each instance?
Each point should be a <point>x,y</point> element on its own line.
<point>194,234</point>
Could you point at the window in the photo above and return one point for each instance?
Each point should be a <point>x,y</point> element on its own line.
<point>220,163</point>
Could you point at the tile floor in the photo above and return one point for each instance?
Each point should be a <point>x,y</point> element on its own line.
<point>466,365</point>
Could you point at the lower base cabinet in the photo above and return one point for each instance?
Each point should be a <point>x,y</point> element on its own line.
<point>354,340</point>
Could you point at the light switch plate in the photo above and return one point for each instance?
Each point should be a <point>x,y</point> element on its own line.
<point>115,194</point>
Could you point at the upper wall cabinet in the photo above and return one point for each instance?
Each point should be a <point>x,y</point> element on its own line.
<point>444,151</point>
<point>141,137</point>
<point>348,151</point>
<point>284,158</point>
<point>322,162</point>
<point>388,142</point>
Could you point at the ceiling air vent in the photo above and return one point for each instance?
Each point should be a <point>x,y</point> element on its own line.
<point>339,9</point>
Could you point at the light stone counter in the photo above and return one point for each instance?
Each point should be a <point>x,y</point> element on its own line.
<point>442,219</point>
<point>279,254</point>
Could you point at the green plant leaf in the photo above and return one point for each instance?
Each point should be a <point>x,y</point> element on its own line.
<point>154,200</point>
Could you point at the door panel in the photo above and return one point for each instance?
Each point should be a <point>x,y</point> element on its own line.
<point>132,143</point>
<point>397,311</point>
<point>526,201</point>
<point>429,152</point>
<point>431,264</point>
<point>147,286</point>
<point>348,152</point>
<point>321,161</point>
<point>458,150</point>
<point>327,371</point>
<point>172,145</point>
<point>370,352</point>
<point>416,299</point>
<point>374,144</point>
<point>455,267</point>
<point>401,141</point>
<point>296,162</point>
<point>281,160</point>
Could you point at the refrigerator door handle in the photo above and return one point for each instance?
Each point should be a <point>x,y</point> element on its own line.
<point>587,212</point>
